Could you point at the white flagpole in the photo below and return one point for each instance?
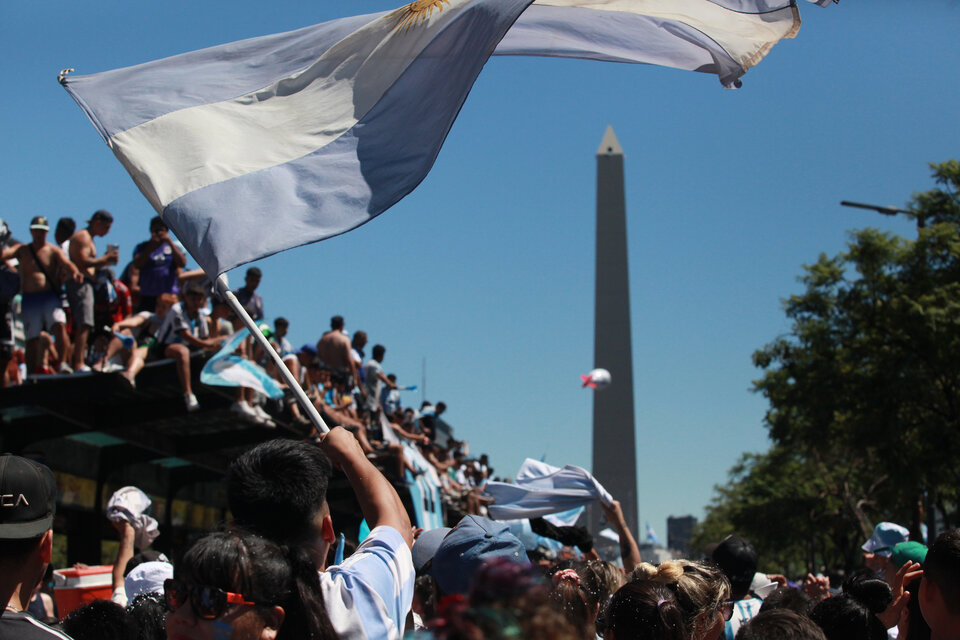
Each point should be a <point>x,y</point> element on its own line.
<point>224,290</point>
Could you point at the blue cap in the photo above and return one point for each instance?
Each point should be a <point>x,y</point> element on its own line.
<point>886,536</point>
<point>467,547</point>
<point>309,348</point>
<point>426,546</point>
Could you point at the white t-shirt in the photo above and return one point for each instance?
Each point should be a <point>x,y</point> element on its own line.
<point>368,595</point>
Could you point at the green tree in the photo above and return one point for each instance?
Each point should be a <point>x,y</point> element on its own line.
<point>864,392</point>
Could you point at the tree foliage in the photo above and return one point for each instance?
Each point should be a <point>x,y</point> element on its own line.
<point>864,395</point>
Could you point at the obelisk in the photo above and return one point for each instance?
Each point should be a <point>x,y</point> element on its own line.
<point>614,440</point>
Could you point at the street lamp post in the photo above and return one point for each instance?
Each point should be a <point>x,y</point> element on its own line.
<point>887,211</point>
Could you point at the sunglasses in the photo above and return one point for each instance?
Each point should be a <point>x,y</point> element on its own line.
<point>209,603</point>
<point>726,610</point>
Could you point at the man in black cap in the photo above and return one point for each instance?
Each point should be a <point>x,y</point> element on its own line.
<point>28,500</point>
<point>40,309</point>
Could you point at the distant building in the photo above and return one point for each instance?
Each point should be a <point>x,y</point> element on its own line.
<point>679,532</point>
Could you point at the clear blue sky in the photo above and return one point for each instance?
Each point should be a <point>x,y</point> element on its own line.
<point>486,270</point>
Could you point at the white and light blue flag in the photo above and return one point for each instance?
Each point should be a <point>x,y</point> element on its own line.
<point>253,147</point>
<point>722,37</point>
<point>541,489</point>
<point>225,369</point>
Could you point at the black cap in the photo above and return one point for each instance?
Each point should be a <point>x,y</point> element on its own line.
<point>28,498</point>
<point>102,214</point>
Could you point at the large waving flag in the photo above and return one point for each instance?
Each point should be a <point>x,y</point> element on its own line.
<point>253,147</point>
<point>723,37</point>
<point>257,146</point>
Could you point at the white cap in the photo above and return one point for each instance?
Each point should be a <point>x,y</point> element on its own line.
<point>147,577</point>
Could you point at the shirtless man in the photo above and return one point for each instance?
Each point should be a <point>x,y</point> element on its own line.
<point>40,307</point>
<point>83,254</point>
<point>334,351</point>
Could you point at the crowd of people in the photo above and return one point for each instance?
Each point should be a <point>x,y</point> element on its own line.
<point>276,571</point>
<point>280,569</point>
<point>79,316</point>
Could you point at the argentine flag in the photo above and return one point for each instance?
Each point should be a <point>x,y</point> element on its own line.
<point>254,147</point>
<point>225,369</point>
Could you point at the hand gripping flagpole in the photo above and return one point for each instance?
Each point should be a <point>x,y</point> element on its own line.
<point>224,290</point>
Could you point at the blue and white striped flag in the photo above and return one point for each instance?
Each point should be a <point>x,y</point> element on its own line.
<point>253,147</point>
<point>722,37</point>
<point>541,489</point>
<point>225,369</point>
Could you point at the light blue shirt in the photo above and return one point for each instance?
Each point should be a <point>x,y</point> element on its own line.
<point>368,595</point>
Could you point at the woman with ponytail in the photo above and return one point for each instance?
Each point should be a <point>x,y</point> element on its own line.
<point>236,585</point>
<point>644,610</point>
<point>701,591</point>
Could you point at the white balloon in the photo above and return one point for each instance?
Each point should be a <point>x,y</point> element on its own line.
<point>596,379</point>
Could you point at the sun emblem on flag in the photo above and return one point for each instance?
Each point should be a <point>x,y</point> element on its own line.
<point>415,13</point>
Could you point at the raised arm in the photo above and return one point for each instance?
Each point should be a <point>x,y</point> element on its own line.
<point>124,551</point>
<point>629,551</point>
<point>378,499</point>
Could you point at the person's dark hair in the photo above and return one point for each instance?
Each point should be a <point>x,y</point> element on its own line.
<point>392,377</point>
<point>336,323</point>
<point>358,337</point>
<point>254,272</point>
<point>788,598</point>
<point>942,568</point>
<point>782,624</point>
<point>440,408</point>
<point>425,590</point>
<point>276,488</point>
<point>281,322</point>
<point>264,573</point>
<point>644,610</point>
<point>737,558</point>
<point>148,612</point>
<point>157,221</point>
<point>65,228</point>
<point>99,620</point>
<point>194,287</point>
<point>852,614</point>
<point>378,351</point>
<point>869,589</point>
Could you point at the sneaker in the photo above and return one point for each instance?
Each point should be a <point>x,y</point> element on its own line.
<point>245,411</point>
<point>112,367</point>
<point>83,369</point>
<point>264,417</point>
<point>191,402</point>
<point>65,368</point>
